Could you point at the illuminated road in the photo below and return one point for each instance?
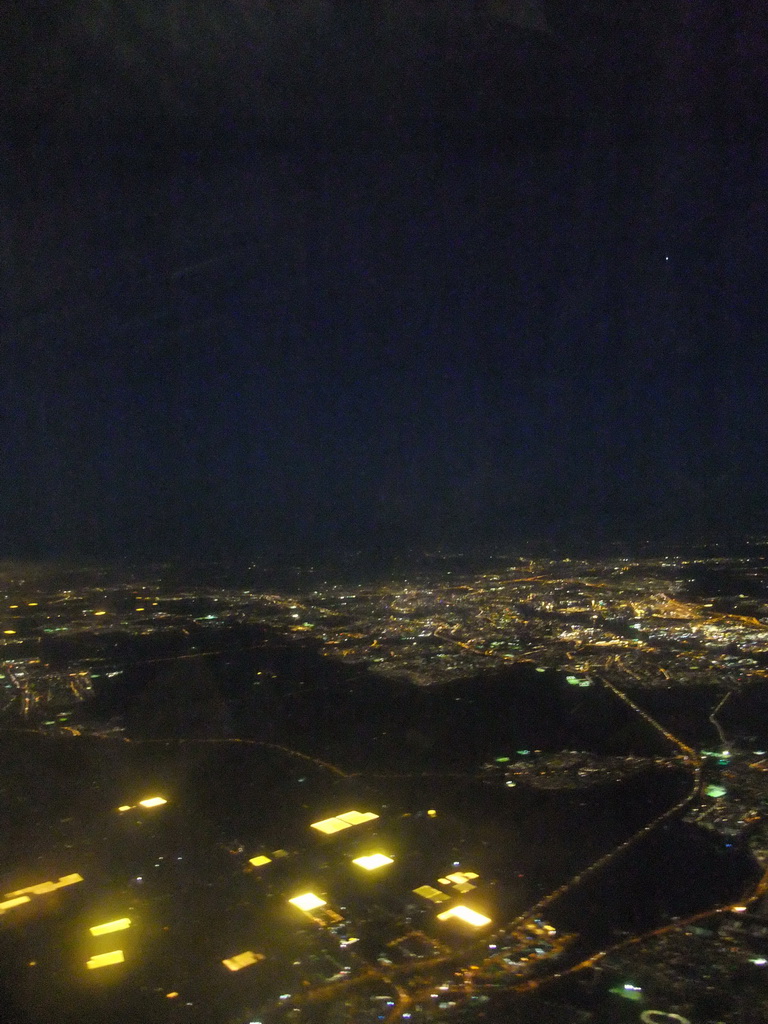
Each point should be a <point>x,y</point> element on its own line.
<point>691,760</point>
<point>713,719</point>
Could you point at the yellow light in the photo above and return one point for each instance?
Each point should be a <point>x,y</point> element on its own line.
<point>466,915</point>
<point>738,910</point>
<point>111,926</point>
<point>430,893</point>
<point>342,821</point>
<point>9,631</point>
<point>375,860</point>
<point>10,904</point>
<point>307,901</point>
<point>69,880</point>
<point>99,613</point>
<point>153,801</point>
<point>460,877</point>
<point>105,959</point>
<point>140,609</point>
<point>260,861</point>
<point>124,807</point>
<point>357,817</point>
<point>32,604</point>
<point>13,606</point>
<point>237,963</point>
<point>44,887</point>
<point>432,814</point>
<point>330,825</point>
<point>171,995</point>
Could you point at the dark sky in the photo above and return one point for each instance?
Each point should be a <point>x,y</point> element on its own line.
<point>326,274</point>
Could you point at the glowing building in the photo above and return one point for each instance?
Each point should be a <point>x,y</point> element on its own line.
<point>105,959</point>
<point>341,821</point>
<point>466,915</point>
<point>307,901</point>
<point>373,861</point>
<point>15,902</point>
<point>45,887</point>
<point>237,963</point>
<point>111,926</point>
<point>430,893</point>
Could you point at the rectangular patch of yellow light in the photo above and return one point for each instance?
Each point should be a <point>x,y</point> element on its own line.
<point>153,801</point>
<point>69,880</point>
<point>10,904</point>
<point>237,963</point>
<point>44,887</point>
<point>463,887</point>
<point>307,901</point>
<point>466,915</point>
<point>260,861</point>
<point>375,860</point>
<point>123,808</point>
<point>330,825</point>
<point>357,817</point>
<point>430,893</point>
<point>461,876</point>
<point>105,959</point>
<point>111,926</point>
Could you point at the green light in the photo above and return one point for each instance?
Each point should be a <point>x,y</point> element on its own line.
<point>715,791</point>
<point>627,992</point>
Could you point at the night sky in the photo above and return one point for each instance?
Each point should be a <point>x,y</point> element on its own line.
<point>318,275</point>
